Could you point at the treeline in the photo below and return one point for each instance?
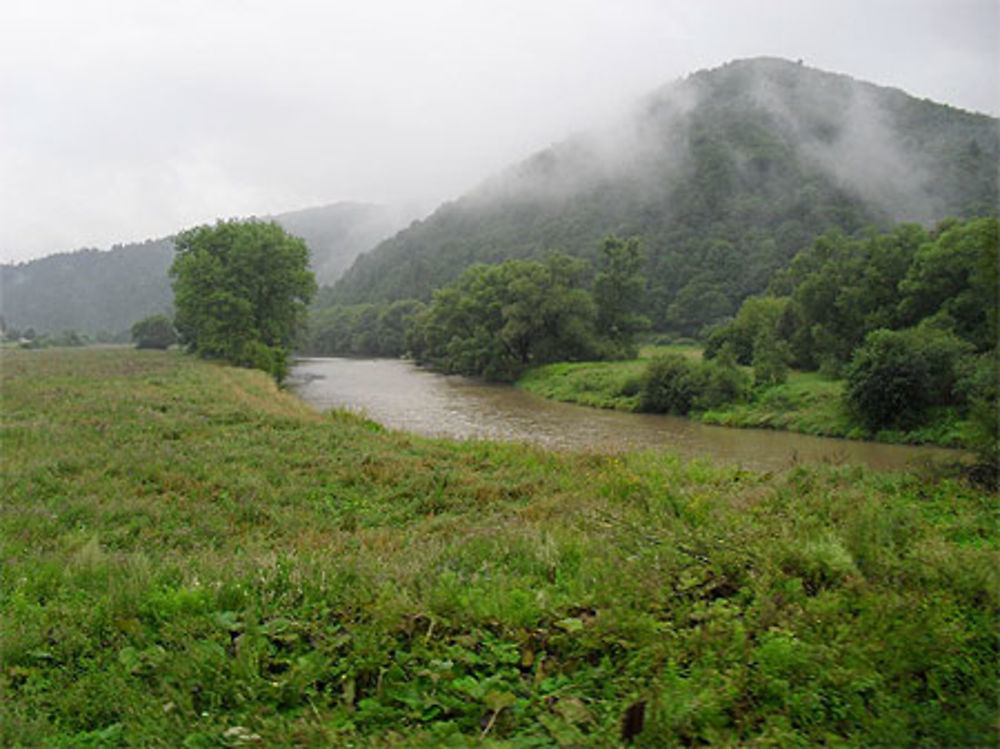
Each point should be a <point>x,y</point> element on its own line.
<point>30,339</point>
<point>838,291</point>
<point>495,321</point>
<point>97,294</point>
<point>908,317</point>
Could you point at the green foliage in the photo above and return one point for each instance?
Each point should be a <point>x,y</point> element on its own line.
<point>979,388</point>
<point>155,331</point>
<point>760,318</point>
<point>496,321</point>
<point>896,376</point>
<point>225,567</point>
<point>619,291</point>
<point>955,276</point>
<point>362,329</point>
<point>770,359</point>
<point>65,338</point>
<point>841,291</point>
<point>807,402</point>
<point>669,385</point>
<point>241,292</point>
<point>676,384</point>
<point>726,183</point>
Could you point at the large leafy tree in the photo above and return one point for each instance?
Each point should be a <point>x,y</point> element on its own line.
<point>497,320</point>
<point>241,289</point>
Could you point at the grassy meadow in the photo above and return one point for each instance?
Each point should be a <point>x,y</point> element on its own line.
<point>190,557</point>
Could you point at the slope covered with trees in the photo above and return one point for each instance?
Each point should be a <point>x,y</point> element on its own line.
<point>91,291</point>
<point>908,317</point>
<point>723,176</point>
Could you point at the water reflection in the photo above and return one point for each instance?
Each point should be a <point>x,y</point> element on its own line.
<point>400,395</point>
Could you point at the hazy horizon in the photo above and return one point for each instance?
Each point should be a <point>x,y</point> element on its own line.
<point>127,122</point>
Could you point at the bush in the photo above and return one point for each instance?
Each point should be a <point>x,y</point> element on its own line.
<point>980,390</point>
<point>895,376</point>
<point>721,383</point>
<point>270,359</point>
<point>155,331</point>
<point>675,384</point>
<point>669,385</point>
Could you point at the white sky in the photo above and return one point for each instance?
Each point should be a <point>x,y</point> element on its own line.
<point>122,120</point>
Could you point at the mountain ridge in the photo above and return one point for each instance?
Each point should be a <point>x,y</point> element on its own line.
<point>741,166</point>
<point>95,291</point>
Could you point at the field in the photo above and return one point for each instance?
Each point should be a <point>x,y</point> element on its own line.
<point>190,557</point>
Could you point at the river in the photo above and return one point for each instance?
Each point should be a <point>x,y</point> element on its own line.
<point>400,395</point>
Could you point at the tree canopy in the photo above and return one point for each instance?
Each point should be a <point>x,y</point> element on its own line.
<point>241,290</point>
<point>497,320</point>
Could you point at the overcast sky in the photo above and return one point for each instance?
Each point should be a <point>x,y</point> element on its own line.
<point>122,120</point>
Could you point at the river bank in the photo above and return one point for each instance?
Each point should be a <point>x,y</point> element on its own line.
<point>807,403</point>
<point>400,395</point>
<point>192,557</point>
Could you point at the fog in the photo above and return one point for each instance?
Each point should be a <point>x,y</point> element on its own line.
<point>121,121</point>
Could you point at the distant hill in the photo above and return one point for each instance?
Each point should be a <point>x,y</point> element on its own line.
<point>94,291</point>
<point>338,233</point>
<point>725,175</point>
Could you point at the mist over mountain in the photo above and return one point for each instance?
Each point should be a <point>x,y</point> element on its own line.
<point>724,175</point>
<point>93,291</point>
<point>338,233</point>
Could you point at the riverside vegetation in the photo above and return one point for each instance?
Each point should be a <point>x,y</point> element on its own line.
<point>192,558</point>
<point>887,335</point>
<point>804,402</point>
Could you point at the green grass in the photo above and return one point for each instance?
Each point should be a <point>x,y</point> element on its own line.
<point>807,402</point>
<point>191,558</point>
<point>601,384</point>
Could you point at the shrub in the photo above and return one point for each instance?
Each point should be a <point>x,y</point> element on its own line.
<point>270,359</point>
<point>895,376</point>
<point>669,385</point>
<point>155,331</point>
<point>721,383</point>
<point>979,387</point>
<point>675,384</point>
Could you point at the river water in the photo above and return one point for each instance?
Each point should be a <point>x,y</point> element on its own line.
<point>400,395</point>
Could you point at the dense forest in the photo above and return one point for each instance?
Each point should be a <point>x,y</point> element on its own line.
<point>103,293</point>
<point>908,317</point>
<point>495,321</point>
<point>724,177</point>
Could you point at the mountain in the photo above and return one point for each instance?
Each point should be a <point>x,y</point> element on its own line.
<point>338,233</point>
<point>725,175</point>
<point>94,291</point>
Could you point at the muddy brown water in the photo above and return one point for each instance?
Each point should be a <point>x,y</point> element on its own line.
<point>400,395</point>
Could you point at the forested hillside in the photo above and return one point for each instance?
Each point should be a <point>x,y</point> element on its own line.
<point>92,291</point>
<point>89,291</point>
<point>724,176</point>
